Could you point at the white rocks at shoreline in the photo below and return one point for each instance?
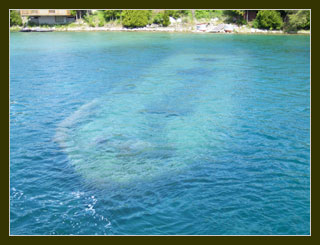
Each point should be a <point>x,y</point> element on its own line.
<point>115,28</point>
<point>231,28</point>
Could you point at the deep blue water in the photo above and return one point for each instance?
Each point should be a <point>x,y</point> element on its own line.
<point>148,133</point>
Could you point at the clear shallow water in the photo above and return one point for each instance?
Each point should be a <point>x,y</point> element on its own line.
<point>145,133</point>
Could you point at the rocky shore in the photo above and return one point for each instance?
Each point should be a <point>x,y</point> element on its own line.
<point>152,28</point>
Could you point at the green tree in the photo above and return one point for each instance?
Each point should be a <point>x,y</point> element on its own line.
<point>95,19</point>
<point>100,18</point>
<point>178,13</point>
<point>235,16</point>
<point>90,20</point>
<point>204,14</point>
<point>73,13</point>
<point>135,18</point>
<point>268,19</point>
<point>112,14</point>
<point>166,20</point>
<point>161,18</point>
<point>297,20</point>
<point>15,18</point>
<point>78,13</point>
<point>158,18</point>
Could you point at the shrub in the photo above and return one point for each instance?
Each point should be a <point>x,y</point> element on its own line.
<point>90,20</point>
<point>15,18</point>
<point>135,18</point>
<point>255,23</point>
<point>96,19</point>
<point>268,19</point>
<point>101,23</point>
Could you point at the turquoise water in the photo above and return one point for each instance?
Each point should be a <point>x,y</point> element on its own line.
<point>149,133</point>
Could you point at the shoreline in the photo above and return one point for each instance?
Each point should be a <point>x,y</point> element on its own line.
<point>170,29</point>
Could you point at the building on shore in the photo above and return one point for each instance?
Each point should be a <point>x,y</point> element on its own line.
<point>250,15</point>
<point>47,16</point>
